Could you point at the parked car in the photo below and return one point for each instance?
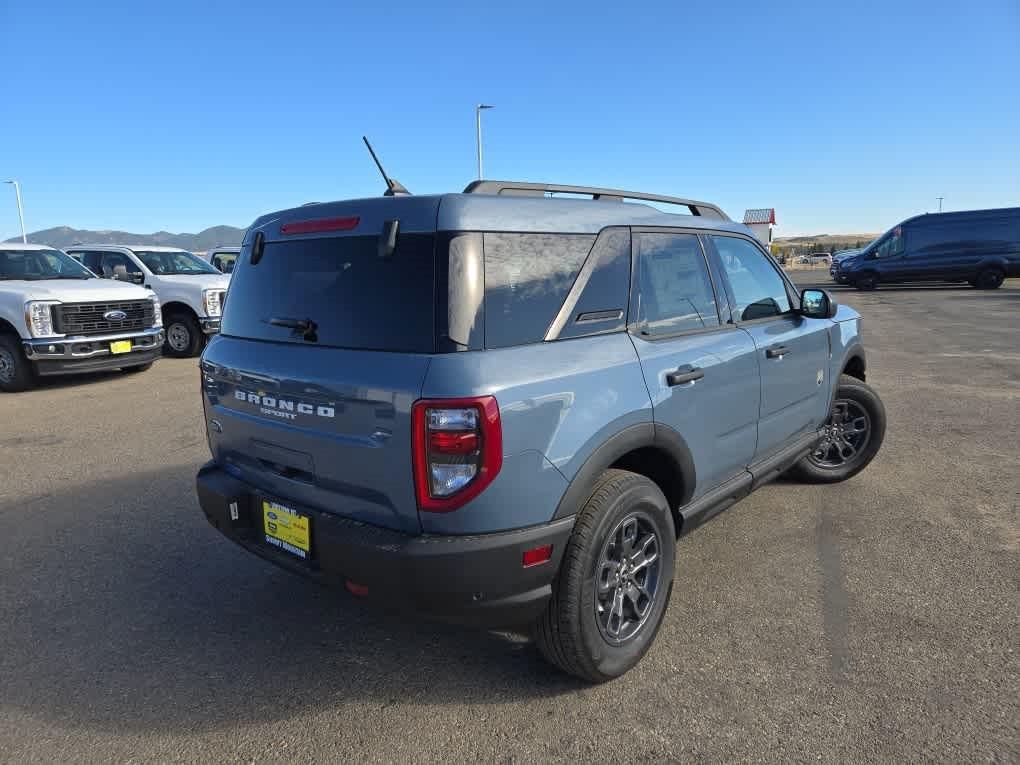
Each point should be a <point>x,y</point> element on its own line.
<point>981,247</point>
<point>814,258</point>
<point>502,408</point>
<point>57,318</point>
<point>190,289</point>
<point>223,258</point>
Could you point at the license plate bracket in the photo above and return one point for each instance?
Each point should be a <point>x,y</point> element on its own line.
<point>287,529</point>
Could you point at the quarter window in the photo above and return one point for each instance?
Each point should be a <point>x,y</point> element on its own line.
<point>675,288</point>
<point>758,289</point>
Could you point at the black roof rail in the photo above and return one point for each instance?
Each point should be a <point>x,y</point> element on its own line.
<point>523,188</point>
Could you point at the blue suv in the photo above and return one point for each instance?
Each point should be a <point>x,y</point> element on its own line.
<point>503,407</point>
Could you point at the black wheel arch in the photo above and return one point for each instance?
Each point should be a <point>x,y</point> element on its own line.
<point>856,364</point>
<point>178,307</point>
<point>651,449</point>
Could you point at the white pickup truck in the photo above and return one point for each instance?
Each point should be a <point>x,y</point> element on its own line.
<point>190,289</point>
<point>57,318</point>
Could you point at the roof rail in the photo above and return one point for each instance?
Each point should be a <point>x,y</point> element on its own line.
<point>523,188</point>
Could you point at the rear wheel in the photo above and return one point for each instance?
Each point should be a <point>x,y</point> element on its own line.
<point>16,372</point>
<point>853,436</point>
<point>183,335</point>
<point>989,279</point>
<point>615,580</point>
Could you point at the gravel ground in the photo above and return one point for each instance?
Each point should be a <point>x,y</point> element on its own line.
<point>874,620</point>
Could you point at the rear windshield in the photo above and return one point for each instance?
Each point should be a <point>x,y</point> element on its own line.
<point>341,290</point>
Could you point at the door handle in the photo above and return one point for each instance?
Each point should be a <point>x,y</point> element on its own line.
<point>685,374</point>
<point>777,353</point>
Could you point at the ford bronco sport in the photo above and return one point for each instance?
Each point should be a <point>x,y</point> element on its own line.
<point>504,407</point>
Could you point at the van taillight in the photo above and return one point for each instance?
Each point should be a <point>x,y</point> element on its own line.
<point>457,450</point>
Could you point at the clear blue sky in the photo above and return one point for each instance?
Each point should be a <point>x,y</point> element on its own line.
<point>844,118</point>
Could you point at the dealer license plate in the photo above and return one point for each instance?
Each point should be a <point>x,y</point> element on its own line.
<point>121,346</point>
<point>287,529</point>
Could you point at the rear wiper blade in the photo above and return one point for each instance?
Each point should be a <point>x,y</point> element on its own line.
<point>306,327</point>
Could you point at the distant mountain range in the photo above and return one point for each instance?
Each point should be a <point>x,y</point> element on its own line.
<point>65,236</point>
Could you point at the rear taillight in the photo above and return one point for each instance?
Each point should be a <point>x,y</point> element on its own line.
<point>457,451</point>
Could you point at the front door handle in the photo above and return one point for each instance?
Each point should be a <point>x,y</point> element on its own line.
<point>777,353</point>
<point>685,374</point>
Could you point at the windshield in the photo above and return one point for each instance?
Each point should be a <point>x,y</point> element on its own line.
<point>179,262</point>
<point>34,265</point>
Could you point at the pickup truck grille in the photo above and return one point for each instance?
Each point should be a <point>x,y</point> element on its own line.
<point>88,319</point>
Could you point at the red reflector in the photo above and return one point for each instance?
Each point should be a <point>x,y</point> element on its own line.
<point>361,590</point>
<point>319,225</point>
<point>446,442</point>
<point>536,555</point>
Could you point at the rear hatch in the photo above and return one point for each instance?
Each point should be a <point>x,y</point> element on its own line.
<point>323,349</point>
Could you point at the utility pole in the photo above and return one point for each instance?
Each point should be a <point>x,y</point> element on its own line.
<point>21,213</point>
<point>940,202</point>
<point>478,134</point>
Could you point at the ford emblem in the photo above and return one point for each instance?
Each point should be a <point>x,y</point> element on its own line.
<point>273,515</point>
<point>115,316</point>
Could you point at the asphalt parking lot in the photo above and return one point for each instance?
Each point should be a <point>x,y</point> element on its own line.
<point>873,620</point>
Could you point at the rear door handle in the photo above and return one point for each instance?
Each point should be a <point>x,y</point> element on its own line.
<point>777,353</point>
<point>683,375</point>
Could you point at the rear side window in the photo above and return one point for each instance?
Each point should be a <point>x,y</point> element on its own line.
<point>758,291</point>
<point>354,298</point>
<point>527,277</point>
<point>676,290</point>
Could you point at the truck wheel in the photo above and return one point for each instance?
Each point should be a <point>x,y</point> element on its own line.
<point>16,372</point>
<point>989,279</point>
<point>615,580</point>
<point>866,282</point>
<point>183,336</point>
<point>853,436</point>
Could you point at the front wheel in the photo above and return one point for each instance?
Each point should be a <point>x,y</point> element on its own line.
<point>866,282</point>
<point>853,436</point>
<point>183,336</point>
<point>989,279</point>
<point>615,580</point>
<point>16,372</point>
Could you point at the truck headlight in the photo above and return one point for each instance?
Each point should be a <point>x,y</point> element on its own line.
<point>39,317</point>
<point>212,302</point>
<point>157,312</point>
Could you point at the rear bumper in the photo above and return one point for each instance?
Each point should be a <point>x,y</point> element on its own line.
<point>477,580</point>
<point>70,355</point>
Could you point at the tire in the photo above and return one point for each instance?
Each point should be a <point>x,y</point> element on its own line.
<point>830,462</point>
<point>576,631</point>
<point>989,279</point>
<point>136,368</point>
<point>16,372</point>
<point>866,282</point>
<point>183,336</point>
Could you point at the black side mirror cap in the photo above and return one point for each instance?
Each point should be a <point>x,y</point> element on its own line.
<point>817,304</point>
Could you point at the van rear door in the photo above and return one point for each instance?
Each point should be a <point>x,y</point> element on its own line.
<point>323,349</point>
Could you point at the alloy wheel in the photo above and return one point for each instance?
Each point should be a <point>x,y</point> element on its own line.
<point>627,578</point>
<point>846,436</point>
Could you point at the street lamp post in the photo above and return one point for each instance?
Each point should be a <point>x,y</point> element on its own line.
<point>478,134</point>
<point>940,202</point>
<point>21,213</point>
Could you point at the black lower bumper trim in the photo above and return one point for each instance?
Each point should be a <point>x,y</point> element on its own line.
<point>97,363</point>
<point>477,580</point>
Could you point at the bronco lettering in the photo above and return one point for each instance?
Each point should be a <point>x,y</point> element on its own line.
<point>279,407</point>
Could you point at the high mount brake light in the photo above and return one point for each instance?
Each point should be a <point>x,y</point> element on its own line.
<point>457,450</point>
<point>320,225</point>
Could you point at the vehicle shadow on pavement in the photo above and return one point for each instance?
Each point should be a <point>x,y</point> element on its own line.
<point>121,608</point>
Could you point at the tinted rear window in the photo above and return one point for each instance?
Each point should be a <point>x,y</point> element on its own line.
<point>527,277</point>
<point>355,298</point>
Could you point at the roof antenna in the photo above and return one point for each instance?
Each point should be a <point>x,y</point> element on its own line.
<point>393,187</point>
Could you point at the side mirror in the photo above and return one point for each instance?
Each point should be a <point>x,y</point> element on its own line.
<point>137,278</point>
<point>817,304</point>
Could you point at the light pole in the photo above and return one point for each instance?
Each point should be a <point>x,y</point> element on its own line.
<point>21,214</point>
<point>478,134</point>
<point>940,202</point>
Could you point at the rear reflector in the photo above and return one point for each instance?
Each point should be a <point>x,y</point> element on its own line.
<point>360,590</point>
<point>319,225</point>
<point>536,555</point>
